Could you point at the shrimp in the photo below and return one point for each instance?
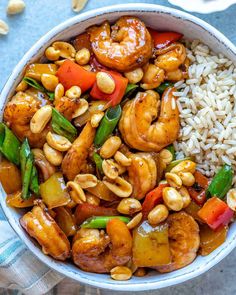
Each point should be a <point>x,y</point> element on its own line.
<point>128,46</point>
<point>41,226</point>
<point>77,154</point>
<point>136,125</point>
<point>184,241</point>
<point>94,251</point>
<point>17,115</point>
<point>143,174</point>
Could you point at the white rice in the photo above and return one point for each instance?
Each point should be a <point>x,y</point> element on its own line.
<point>207,105</point>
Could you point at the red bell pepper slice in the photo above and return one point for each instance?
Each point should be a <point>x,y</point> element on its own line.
<point>71,74</point>
<point>198,197</point>
<point>215,213</point>
<point>152,199</point>
<point>163,39</point>
<point>116,97</point>
<point>84,211</point>
<point>201,180</point>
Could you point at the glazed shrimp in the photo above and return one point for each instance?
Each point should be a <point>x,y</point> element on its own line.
<point>41,226</point>
<point>75,158</point>
<point>127,46</point>
<point>136,125</point>
<point>94,251</point>
<point>17,115</point>
<point>184,241</point>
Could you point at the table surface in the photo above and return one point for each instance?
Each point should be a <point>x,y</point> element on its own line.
<point>25,29</point>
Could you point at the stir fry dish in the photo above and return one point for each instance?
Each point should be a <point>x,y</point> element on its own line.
<point>87,151</point>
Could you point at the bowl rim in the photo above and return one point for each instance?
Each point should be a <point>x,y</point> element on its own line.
<point>139,286</point>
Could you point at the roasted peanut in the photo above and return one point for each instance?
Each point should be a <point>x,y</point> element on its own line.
<point>22,86</point>
<point>121,273</point>
<point>129,206</point>
<point>187,178</point>
<point>86,180</point>
<point>15,6</point>
<point>78,5</point>
<point>110,147</point>
<point>105,82</point>
<point>40,119</point>
<point>121,169</point>
<point>119,187</point>
<point>65,48</point>
<point>59,91</point>
<point>82,56</point>
<point>109,169</point>
<point>135,221</point>
<point>172,199</point>
<point>173,179</point>
<point>76,192</point>
<point>122,159</point>
<point>52,54</point>
<point>4,28</point>
<point>134,76</point>
<point>91,199</point>
<point>81,109</point>
<point>74,92</point>
<point>184,166</point>
<point>53,156</point>
<point>158,214</point>
<point>185,195</point>
<point>96,119</point>
<point>58,142</point>
<point>49,81</point>
<point>231,199</point>
<point>166,156</point>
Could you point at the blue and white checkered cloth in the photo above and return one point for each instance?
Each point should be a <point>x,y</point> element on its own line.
<point>19,268</point>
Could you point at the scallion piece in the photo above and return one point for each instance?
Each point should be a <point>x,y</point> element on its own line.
<point>98,162</point>
<point>27,177</point>
<point>160,89</point>
<point>34,182</point>
<point>62,126</point>
<point>101,221</point>
<point>130,89</point>
<point>171,149</point>
<point>107,125</point>
<point>9,144</point>
<point>33,83</point>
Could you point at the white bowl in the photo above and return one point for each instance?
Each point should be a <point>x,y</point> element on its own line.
<point>161,18</point>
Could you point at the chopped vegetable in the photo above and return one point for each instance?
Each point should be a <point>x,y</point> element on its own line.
<point>117,95</point>
<point>101,221</point>
<point>171,149</point>
<point>71,74</point>
<point>210,239</point>
<point>85,210</point>
<point>27,177</point>
<point>24,154</point>
<point>163,39</point>
<point>161,89</point>
<point>34,182</point>
<point>107,125</point>
<point>10,177</point>
<point>130,89</point>
<point>215,213</point>
<point>151,245</point>
<point>65,220</point>
<point>201,180</point>
<point>15,200</point>
<point>54,192</point>
<point>221,183</point>
<point>192,209</point>
<point>198,196</point>
<point>33,83</point>
<point>9,144</point>
<point>36,70</point>
<point>175,163</point>
<point>98,162</point>
<point>152,199</point>
<point>62,126</point>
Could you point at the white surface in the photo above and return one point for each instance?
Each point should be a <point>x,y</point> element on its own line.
<point>156,17</point>
<point>203,6</point>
